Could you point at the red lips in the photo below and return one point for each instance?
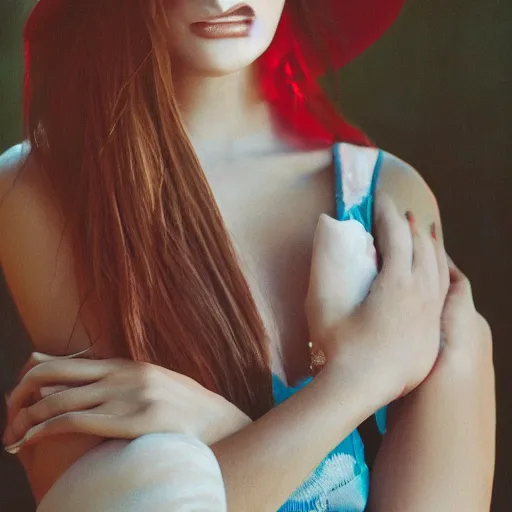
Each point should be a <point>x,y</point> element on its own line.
<point>235,22</point>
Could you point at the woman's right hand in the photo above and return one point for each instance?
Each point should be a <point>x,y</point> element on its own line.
<point>393,335</point>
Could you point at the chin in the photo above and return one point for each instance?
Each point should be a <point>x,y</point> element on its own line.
<point>219,58</point>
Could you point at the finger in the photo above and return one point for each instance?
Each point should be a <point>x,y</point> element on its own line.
<point>60,372</point>
<point>84,422</point>
<point>442,262</point>
<point>72,400</point>
<point>12,433</point>
<point>51,390</point>
<point>460,285</point>
<point>34,359</point>
<point>393,236</point>
<point>424,256</point>
<point>38,358</point>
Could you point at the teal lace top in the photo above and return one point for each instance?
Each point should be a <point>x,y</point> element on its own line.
<point>341,482</point>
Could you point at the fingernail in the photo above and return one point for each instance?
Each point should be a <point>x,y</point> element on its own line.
<point>46,357</point>
<point>412,221</point>
<point>78,354</point>
<point>433,231</point>
<point>15,448</point>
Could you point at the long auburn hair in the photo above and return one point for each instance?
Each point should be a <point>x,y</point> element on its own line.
<point>149,243</point>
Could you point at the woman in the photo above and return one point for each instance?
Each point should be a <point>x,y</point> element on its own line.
<point>174,147</point>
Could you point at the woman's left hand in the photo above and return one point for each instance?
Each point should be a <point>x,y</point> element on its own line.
<point>113,398</point>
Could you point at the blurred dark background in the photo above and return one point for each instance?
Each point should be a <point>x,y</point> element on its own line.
<point>437,91</point>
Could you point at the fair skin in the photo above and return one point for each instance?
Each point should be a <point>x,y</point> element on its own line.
<point>247,167</point>
<point>452,447</point>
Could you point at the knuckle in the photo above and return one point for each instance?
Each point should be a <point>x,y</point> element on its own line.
<point>47,408</point>
<point>31,374</point>
<point>37,373</point>
<point>120,365</point>
<point>146,395</point>
<point>145,376</point>
<point>146,383</point>
<point>485,326</point>
<point>402,282</point>
<point>466,285</point>
<point>151,410</point>
<point>146,406</point>
<point>28,419</point>
<point>42,369</point>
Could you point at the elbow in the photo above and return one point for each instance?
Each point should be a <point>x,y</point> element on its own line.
<point>108,478</point>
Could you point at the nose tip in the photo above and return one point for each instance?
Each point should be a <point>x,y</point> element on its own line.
<point>219,7</point>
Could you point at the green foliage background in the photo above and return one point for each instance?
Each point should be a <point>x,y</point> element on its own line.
<point>437,91</point>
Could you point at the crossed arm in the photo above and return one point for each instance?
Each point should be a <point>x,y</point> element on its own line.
<point>259,464</point>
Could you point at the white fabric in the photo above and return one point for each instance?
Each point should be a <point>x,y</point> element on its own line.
<point>358,165</point>
<point>343,266</point>
<point>154,473</point>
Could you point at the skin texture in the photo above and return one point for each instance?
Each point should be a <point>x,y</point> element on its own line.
<point>458,462</point>
<point>247,166</point>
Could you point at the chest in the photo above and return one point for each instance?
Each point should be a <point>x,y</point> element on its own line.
<point>271,209</point>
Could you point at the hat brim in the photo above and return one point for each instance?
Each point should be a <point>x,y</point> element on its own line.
<point>359,24</point>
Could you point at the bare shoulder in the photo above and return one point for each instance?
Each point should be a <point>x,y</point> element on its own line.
<point>18,184</point>
<point>408,189</point>
<point>13,157</point>
<point>12,162</point>
<point>35,258</point>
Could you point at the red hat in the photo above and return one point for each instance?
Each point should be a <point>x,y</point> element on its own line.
<point>357,24</point>
<point>347,28</point>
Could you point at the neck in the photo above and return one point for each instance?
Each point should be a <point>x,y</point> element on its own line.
<point>225,115</point>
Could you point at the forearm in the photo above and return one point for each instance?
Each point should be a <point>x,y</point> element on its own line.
<point>439,451</point>
<point>178,473</point>
<point>264,463</point>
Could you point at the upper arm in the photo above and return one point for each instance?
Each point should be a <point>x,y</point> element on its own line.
<point>36,260</point>
<point>38,267</point>
<point>409,191</point>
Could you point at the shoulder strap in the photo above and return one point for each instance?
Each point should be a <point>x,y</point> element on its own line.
<point>357,172</point>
